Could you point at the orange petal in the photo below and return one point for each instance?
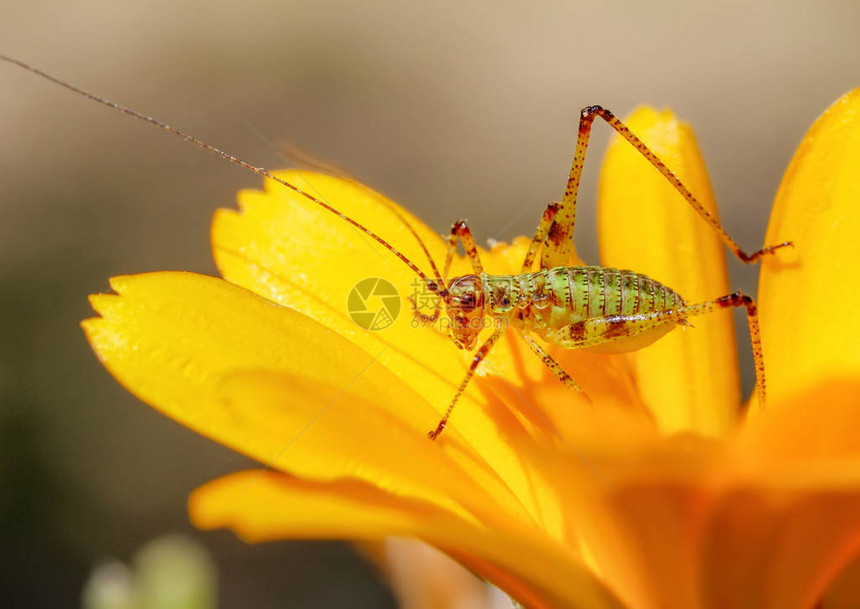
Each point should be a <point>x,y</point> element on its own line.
<point>781,535</point>
<point>682,522</point>
<point>844,593</point>
<point>273,506</point>
<point>777,547</point>
<point>814,430</point>
<point>637,511</point>
<point>689,378</point>
<point>808,296</point>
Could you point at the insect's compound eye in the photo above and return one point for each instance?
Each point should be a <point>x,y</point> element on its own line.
<point>467,301</point>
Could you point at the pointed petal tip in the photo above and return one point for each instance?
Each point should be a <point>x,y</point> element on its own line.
<point>90,326</point>
<point>645,116</point>
<point>118,282</point>
<point>102,302</point>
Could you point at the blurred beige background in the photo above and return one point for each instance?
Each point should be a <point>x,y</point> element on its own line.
<point>466,109</point>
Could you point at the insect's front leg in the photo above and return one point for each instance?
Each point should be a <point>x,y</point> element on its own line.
<point>479,356</point>
<point>461,231</point>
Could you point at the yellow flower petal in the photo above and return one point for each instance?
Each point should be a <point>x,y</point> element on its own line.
<point>273,507</point>
<point>808,296</point>
<point>345,440</point>
<point>689,378</point>
<point>173,339</point>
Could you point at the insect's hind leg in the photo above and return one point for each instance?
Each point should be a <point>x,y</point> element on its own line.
<point>480,354</point>
<point>735,300</point>
<point>559,239</point>
<point>553,365</point>
<point>739,299</point>
<point>602,330</point>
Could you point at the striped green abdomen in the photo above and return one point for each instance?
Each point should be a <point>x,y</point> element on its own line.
<point>557,297</point>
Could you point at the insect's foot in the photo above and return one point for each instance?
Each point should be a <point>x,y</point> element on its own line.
<point>436,432</point>
<point>766,250</point>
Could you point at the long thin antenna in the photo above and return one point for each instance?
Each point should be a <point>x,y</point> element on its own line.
<point>431,284</point>
<point>294,154</point>
<point>409,227</point>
